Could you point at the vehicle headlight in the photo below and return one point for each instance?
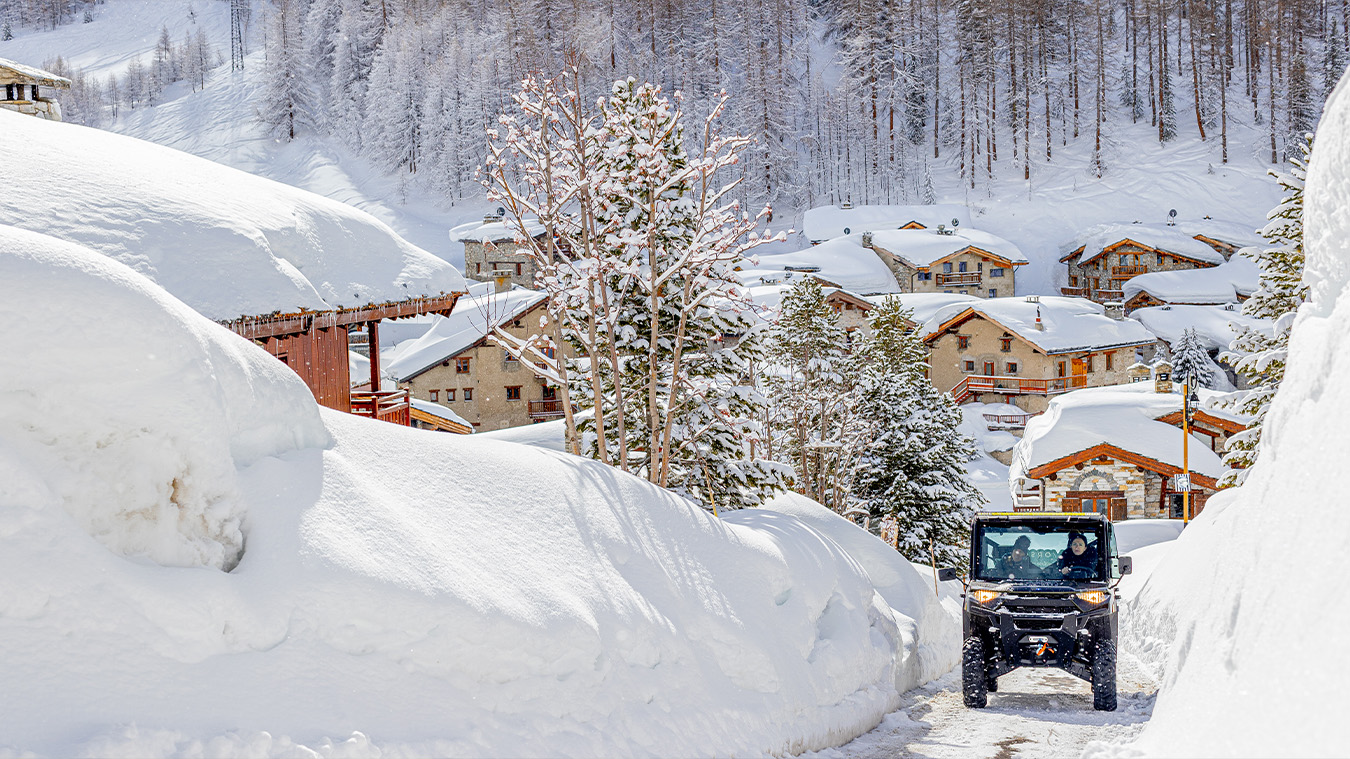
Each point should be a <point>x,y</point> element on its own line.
<point>1094,597</point>
<point>986,597</point>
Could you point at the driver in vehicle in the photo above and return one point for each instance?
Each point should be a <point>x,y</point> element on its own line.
<point>1077,558</point>
<point>1016,565</point>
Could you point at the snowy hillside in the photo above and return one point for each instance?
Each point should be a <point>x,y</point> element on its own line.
<point>1240,618</point>
<point>398,590</point>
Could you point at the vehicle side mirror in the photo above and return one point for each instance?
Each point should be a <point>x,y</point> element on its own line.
<point>946,573</point>
<point>1125,564</point>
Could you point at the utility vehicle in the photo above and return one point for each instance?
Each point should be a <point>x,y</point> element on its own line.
<point>1034,599</point>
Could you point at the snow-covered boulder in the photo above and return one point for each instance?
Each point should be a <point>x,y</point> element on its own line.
<point>1243,617</point>
<point>131,411</point>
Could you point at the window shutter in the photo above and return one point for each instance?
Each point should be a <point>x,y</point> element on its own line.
<point>1071,504</point>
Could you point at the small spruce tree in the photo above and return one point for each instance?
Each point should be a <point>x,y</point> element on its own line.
<point>911,468</point>
<point>1258,356</point>
<point>1191,363</point>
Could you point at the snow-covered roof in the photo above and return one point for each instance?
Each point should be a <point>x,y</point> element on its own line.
<point>1070,324</point>
<point>1125,416</point>
<point>439,411</point>
<point>924,247</point>
<point>1238,276</point>
<point>925,305</point>
<point>473,318</point>
<point>495,231</point>
<point>35,73</point>
<point>829,222</point>
<point>842,261</point>
<point>1215,325</point>
<point>225,242</point>
<point>1171,239</point>
<point>1234,233</point>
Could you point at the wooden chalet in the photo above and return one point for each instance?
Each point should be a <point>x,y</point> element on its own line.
<point>29,90</point>
<point>1113,254</point>
<point>314,345</point>
<point>1123,484</point>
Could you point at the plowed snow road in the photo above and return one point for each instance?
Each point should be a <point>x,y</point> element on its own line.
<point>1036,713</point>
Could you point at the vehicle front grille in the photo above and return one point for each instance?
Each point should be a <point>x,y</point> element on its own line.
<point>1039,604</point>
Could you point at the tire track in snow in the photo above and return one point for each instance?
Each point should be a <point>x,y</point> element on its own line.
<point>1035,713</point>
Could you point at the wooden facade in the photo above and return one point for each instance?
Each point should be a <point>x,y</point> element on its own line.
<point>1123,484</point>
<point>314,345</point>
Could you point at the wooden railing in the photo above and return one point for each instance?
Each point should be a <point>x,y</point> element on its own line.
<point>1073,292</point>
<point>1101,296</point>
<point>543,409</point>
<point>1129,271</point>
<point>389,406</point>
<point>964,278</point>
<point>1008,420</point>
<point>981,383</point>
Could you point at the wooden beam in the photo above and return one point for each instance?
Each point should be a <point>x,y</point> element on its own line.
<point>301,322</point>
<point>373,343</point>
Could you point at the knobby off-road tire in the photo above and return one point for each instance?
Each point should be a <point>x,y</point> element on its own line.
<point>1104,676</point>
<point>974,688</point>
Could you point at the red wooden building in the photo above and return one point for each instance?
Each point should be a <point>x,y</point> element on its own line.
<point>314,345</point>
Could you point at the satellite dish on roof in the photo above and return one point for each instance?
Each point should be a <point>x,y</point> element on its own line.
<point>848,231</point>
<point>502,211</point>
<point>956,223</point>
<point>1172,213</point>
<point>1172,217</point>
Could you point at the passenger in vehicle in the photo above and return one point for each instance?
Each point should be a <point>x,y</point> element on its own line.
<point>1017,566</point>
<point>1078,558</point>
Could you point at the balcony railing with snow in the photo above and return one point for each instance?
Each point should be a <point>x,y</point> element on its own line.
<point>1128,271</point>
<point>958,279</point>
<point>1007,421</point>
<point>982,383</point>
<point>389,406</point>
<point>545,409</point>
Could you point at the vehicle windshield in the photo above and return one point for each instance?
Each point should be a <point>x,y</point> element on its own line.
<point>1039,551</point>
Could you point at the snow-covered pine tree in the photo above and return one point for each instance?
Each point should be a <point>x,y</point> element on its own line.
<point>1254,354</point>
<point>286,99</point>
<point>911,466</point>
<point>811,386</point>
<point>1190,361</point>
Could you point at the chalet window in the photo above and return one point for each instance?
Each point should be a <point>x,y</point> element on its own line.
<point>462,367</point>
<point>1059,369</point>
<point>1160,259</point>
<point>961,267</point>
<point>435,396</point>
<point>1005,344</point>
<point>1110,360</point>
<point>970,366</point>
<point>513,393</point>
<point>34,90</point>
<point>1012,367</point>
<point>551,352</point>
<point>480,267</point>
<point>947,268</point>
<point>962,342</point>
<point>993,293</point>
<point>518,269</point>
<point>925,275</point>
<point>998,272</point>
<point>979,266</point>
<point>989,368</point>
<point>468,393</point>
<point>449,395</point>
<point>550,394</point>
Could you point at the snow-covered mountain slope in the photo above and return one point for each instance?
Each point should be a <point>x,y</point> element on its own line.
<point>1242,617</point>
<point>226,242</point>
<point>400,592</point>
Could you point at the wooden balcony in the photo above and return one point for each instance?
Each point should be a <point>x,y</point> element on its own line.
<point>1128,271</point>
<point>963,279</point>
<point>546,409</point>
<point>1102,296</point>
<point>980,383</point>
<point>1074,292</point>
<point>390,406</point>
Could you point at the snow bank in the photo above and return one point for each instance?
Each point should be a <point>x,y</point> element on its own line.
<point>828,222</point>
<point>1238,276</point>
<point>130,410</point>
<point>843,262</point>
<point>224,242</point>
<point>930,625</point>
<point>403,592</point>
<point>1245,610</point>
<point>1216,326</point>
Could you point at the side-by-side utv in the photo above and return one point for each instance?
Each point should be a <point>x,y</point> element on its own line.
<point>1041,593</point>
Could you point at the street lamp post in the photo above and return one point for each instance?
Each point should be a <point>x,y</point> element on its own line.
<point>1186,399</point>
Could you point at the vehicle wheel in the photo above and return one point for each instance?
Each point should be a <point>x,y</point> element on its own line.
<point>974,687</point>
<point>1104,676</point>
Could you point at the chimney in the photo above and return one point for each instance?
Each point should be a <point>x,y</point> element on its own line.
<point>867,240</point>
<point>1115,310</point>
<point>1040,326</point>
<point>502,278</point>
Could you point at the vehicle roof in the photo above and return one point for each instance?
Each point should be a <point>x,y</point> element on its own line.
<point>1039,516</point>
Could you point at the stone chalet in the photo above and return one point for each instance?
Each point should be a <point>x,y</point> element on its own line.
<point>454,364</point>
<point>1105,257</point>
<point>828,222</point>
<point>1118,450</point>
<point>28,90</point>
<point>492,253</point>
<point>953,261</point>
<point>1023,351</point>
<point>1231,282</point>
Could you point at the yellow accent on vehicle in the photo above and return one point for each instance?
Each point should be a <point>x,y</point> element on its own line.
<point>1094,597</point>
<point>986,597</point>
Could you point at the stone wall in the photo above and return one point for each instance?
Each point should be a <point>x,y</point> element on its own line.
<point>481,259</point>
<point>1112,270</point>
<point>43,109</point>
<point>978,279</point>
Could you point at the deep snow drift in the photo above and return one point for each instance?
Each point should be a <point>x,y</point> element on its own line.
<point>1243,617</point>
<point>400,592</point>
